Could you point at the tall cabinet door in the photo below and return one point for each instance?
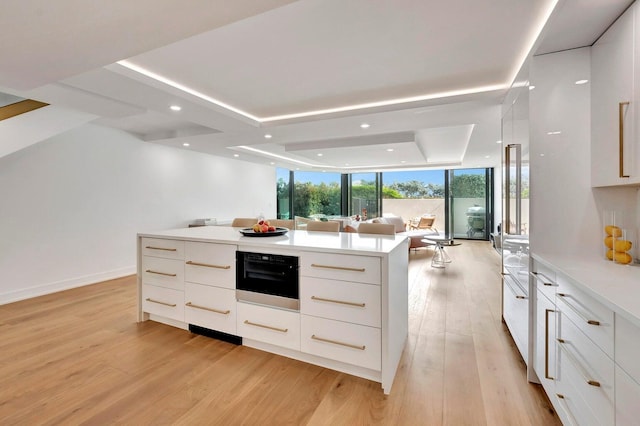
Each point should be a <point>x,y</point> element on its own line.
<point>613,109</point>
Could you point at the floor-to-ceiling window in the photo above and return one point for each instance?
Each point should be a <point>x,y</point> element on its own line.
<point>461,200</point>
<point>469,203</point>
<point>284,193</point>
<point>317,194</point>
<point>415,193</point>
<point>364,190</point>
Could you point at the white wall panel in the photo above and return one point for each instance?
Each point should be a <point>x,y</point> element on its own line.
<point>71,206</point>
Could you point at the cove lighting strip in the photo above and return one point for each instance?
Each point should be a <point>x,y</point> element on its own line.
<point>182,87</point>
<point>534,36</point>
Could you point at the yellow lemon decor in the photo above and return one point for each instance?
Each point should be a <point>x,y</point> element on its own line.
<point>617,247</point>
<point>613,230</point>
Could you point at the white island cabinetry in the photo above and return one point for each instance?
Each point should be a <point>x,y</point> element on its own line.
<point>353,295</point>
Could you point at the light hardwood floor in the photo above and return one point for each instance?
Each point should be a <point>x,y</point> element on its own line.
<point>79,357</point>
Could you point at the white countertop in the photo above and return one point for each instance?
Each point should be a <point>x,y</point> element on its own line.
<point>294,240</point>
<point>617,286</point>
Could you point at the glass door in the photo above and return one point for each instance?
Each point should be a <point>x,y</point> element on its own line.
<point>364,194</point>
<point>469,203</point>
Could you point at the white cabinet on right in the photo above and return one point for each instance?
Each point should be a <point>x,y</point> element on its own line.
<point>615,151</point>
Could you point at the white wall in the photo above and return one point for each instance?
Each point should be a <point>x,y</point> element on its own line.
<point>565,211</point>
<point>71,205</point>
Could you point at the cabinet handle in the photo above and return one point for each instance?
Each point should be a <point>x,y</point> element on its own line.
<point>335,342</point>
<point>546,343</point>
<point>341,268</point>
<point>565,407</point>
<point>208,265</point>
<point>621,106</point>
<point>545,281</point>
<point>172,305</point>
<point>161,248</point>
<point>282,330</point>
<point>574,309</point>
<point>204,308</point>
<point>507,280</point>
<point>322,299</point>
<point>577,364</point>
<point>160,273</point>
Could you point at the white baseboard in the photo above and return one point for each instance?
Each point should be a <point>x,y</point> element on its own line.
<point>41,290</point>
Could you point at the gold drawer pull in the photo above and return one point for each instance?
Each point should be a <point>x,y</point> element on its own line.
<point>575,362</point>
<point>508,281</point>
<point>545,281</point>
<point>565,407</point>
<point>161,248</point>
<point>335,342</point>
<point>282,330</point>
<point>204,308</point>
<point>546,343</point>
<point>574,309</point>
<point>172,305</point>
<point>342,302</point>
<point>340,268</point>
<point>208,265</point>
<point>160,273</point>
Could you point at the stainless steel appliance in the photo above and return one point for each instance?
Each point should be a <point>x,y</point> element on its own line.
<point>267,279</point>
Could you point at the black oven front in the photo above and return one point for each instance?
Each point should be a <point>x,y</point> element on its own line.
<point>268,279</point>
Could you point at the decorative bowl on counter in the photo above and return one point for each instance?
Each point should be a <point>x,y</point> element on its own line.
<point>249,232</point>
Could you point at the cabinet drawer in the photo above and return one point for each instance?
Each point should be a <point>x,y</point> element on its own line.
<point>589,370</point>
<point>361,269</point>
<point>544,362</point>
<point>211,264</point>
<point>544,279</point>
<point>591,316</point>
<point>163,272</point>
<point>210,307</point>
<point>627,397</point>
<point>350,343</point>
<point>627,342</point>
<point>340,300</point>
<point>163,301</point>
<point>275,326</point>
<point>515,311</point>
<point>157,247</point>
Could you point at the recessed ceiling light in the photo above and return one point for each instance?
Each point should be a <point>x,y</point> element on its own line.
<point>346,164</point>
<point>487,156</point>
<point>236,155</point>
<point>532,87</point>
<point>582,81</point>
<point>175,107</point>
<point>498,141</point>
<point>272,163</point>
<point>541,155</point>
<point>403,161</point>
<point>185,144</point>
<point>389,149</point>
<point>268,136</point>
<point>365,125</point>
<point>319,154</point>
<point>555,132</point>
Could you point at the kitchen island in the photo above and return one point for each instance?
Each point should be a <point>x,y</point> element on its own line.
<point>353,294</point>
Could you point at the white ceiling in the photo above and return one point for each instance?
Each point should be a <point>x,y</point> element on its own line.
<point>427,76</point>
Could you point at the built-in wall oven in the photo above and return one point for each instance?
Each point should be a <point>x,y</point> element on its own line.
<point>268,279</point>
